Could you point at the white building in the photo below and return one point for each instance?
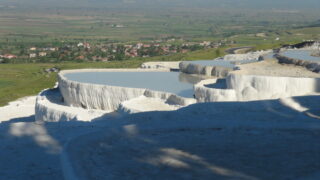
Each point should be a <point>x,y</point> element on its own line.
<point>32,55</point>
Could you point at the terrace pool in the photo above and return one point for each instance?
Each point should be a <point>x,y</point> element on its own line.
<point>300,54</point>
<point>172,82</point>
<point>222,63</point>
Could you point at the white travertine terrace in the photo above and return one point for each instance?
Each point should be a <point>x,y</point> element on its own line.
<point>247,56</point>
<point>86,102</point>
<point>255,81</point>
<point>206,94</point>
<point>161,65</point>
<point>254,87</point>
<point>104,97</point>
<point>50,108</point>
<point>310,65</point>
<point>145,104</point>
<point>219,71</point>
<point>236,87</point>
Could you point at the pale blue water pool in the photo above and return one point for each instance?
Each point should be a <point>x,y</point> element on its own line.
<point>172,82</point>
<point>221,63</point>
<point>300,54</point>
<point>269,56</point>
<point>213,63</point>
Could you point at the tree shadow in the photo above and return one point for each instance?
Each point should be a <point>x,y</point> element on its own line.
<point>223,140</point>
<point>30,150</point>
<point>21,119</point>
<point>137,151</point>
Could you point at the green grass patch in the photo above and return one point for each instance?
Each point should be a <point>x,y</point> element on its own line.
<point>5,83</point>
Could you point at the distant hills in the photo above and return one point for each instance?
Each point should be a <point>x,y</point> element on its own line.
<point>245,4</point>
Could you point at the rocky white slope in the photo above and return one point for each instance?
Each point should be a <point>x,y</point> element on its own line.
<point>17,109</point>
<point>253,87</point>
<point>247,56</point>
<point>50,108</point>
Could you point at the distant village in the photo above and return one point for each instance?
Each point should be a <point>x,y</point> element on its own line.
<point>85,51</point>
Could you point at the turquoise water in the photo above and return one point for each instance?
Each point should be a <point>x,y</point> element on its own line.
<point>172,82</point>
<point>300,54</point>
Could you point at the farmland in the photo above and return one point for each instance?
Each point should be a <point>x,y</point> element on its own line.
<point>94,24</point>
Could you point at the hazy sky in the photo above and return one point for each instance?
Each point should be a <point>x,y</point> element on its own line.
<point>281,4</point>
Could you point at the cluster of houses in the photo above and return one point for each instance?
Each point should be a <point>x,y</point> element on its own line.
<point>40,52</point>
<point>107,52</point>
<point>110,51</point>
<point>156,48</point>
